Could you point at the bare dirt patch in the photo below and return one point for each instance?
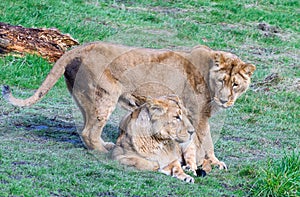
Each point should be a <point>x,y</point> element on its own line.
<point>275,81</point>
<point>235,139</point>
<point>268,28</point>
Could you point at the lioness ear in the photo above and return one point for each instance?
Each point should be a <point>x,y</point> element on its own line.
<point>219,58</point>
<point>142,125</point>
<point>173,97</point>
<point>143,117</point>
<point>157,110</point>
<point>249,69</point>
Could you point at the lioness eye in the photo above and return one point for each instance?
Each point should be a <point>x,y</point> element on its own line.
<point>178,118</point>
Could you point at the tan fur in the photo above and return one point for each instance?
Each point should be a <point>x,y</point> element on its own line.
<point>149,136</point>
<point>99,75</point>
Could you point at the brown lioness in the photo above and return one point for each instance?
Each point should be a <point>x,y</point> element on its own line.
<point>99,75</point>
<point>149,136</point>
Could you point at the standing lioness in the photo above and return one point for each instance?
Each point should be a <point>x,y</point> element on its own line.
<point>99,75</point>
<point>149,136</point>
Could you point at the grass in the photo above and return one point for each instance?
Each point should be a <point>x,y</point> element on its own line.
<point>41,153</point>
<point>281,178</point>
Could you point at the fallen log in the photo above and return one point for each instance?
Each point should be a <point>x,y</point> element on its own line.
<point>48,43</point>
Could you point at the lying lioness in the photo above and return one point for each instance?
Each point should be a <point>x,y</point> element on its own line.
<point>149,136</point>
<point>100,75</point>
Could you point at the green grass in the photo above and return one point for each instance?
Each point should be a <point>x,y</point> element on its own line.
<point>280,178</point>
<point>41,153</point>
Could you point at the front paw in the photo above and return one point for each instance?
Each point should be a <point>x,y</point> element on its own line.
<point>186,178</point>
<point>109,145</point>
<point>190,169</point>
<point>189,179</point>
<point>215,162</point>
<point>222,165</point>
<point>206,166</point>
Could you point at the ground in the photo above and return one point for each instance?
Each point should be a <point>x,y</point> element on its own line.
<point>41,153</point>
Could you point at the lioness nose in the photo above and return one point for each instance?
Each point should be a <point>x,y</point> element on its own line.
<point>223,101</point>
<point>191,132</point>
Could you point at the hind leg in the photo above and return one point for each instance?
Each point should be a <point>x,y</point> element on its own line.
<point>138,162</point>
<point>96,105</point>
<point>91,135</point>
<point>96,115</point>
<point>131,159</point>
<point>96,92</point>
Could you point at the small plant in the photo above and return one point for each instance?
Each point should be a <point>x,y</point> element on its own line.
<point>279,178</point>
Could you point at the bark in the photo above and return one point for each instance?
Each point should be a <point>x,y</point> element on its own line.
<point>48,43</point>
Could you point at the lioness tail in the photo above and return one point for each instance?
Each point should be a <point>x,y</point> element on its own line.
<point>56,72</point>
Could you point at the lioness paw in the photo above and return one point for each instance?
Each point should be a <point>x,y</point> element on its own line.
<point>184,177</point>
<point>109,145</point>
<point>188,168</point>
<point>189,179</point>
<point>222,166</point>
<point>213,162</point>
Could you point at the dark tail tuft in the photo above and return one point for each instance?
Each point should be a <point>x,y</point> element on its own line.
<point>201,172</point>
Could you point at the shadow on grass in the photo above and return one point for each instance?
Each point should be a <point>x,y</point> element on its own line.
<point>44,128</point>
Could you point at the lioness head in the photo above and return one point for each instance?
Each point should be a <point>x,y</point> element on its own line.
<point>229,77</point>
<point>164,118</point>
